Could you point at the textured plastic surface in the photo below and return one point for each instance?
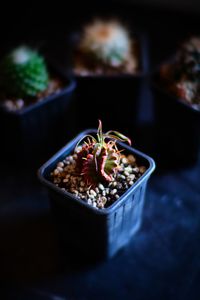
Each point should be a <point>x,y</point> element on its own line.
<point>37,127</point>
<point>99,233</point>
<point>112,98</point>
<point>177,128</point>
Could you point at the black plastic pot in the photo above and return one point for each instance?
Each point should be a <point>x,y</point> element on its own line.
<point>112,98</point>
<point>94,232</point>
<point>177,128</point>
<point>36,129</point>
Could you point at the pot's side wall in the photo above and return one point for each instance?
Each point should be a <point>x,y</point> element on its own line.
<point>78,227</point>
<point>125,221</point>
<point>37,130</point>
<point>97,235</point>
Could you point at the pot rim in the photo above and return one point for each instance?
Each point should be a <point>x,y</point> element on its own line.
<point>67,194</point>
<point>71,85</point>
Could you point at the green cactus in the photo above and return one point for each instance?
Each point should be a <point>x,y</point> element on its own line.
<point>23,73</point>
<point>98,160</point>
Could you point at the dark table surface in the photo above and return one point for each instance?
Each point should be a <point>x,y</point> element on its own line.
<point>162,260</point>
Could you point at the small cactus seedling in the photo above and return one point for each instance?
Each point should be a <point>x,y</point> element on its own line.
<point>23,73</point>
<point>98,159</point>
<point>107,42</point>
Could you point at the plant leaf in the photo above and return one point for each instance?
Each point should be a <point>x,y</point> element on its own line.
<point>117,136</point>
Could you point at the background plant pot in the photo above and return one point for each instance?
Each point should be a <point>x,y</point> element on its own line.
<point>177,128</point>
<point>97,233</point>
<point>40,128</point>
<point>114,99</point>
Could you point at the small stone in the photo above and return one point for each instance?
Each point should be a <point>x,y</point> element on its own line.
<point>101,187</point>
<point>82,183</point>
<point>136,170</point>
<point>142,169</point>
<point>78,149</point>
<point>97,190</point>
<point>59,169</point>
<point>131,177</point>
<point>113,192</point>
<point>19,103</point>
<point>100,205</point>
<point>94,204</point>
<point>60,164</point>
<point>126,173</point>
<point>104,193</point>
<point>124,160</point>
<point>56,172</point>
<point>131,182</point>
<point>114,183</point>
<point>104,200</point>
<point>107,191</point>
<point>128,169</point>
<point>93,193</point>
<point>89,201</point>
<point>119,185</point>
<point>71,159</point>
<point>117,196</point>
<point>122,177</point>
<point>65,180</point>
<point>131,159</point>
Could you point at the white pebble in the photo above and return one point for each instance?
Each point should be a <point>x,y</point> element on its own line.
<point>56,172</point>
<point>89,201</point>
<point>101,187</point>
<point>113,192</point>
<point>124,160</point>
<point>92,192</point>
<point>131,176</point>
<point>59,169</point>
<point>126,173</point>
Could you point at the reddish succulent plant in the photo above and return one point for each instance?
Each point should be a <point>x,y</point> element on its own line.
<point>98,159</point>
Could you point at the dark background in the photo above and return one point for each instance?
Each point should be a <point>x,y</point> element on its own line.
<point>162,261</point>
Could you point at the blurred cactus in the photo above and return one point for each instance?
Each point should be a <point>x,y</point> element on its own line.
<point>107,42</point>
<point>23,73</point>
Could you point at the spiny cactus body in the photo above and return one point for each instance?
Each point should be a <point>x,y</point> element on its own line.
<point>108,42</point>
<point>98,160</point>
<point>189,59</point>
<point>23,73</point>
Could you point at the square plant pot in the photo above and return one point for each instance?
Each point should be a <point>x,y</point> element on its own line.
<point>105,96</point>
<point>37,127</point>
<point>97,232</point>
<point>177,128</point>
